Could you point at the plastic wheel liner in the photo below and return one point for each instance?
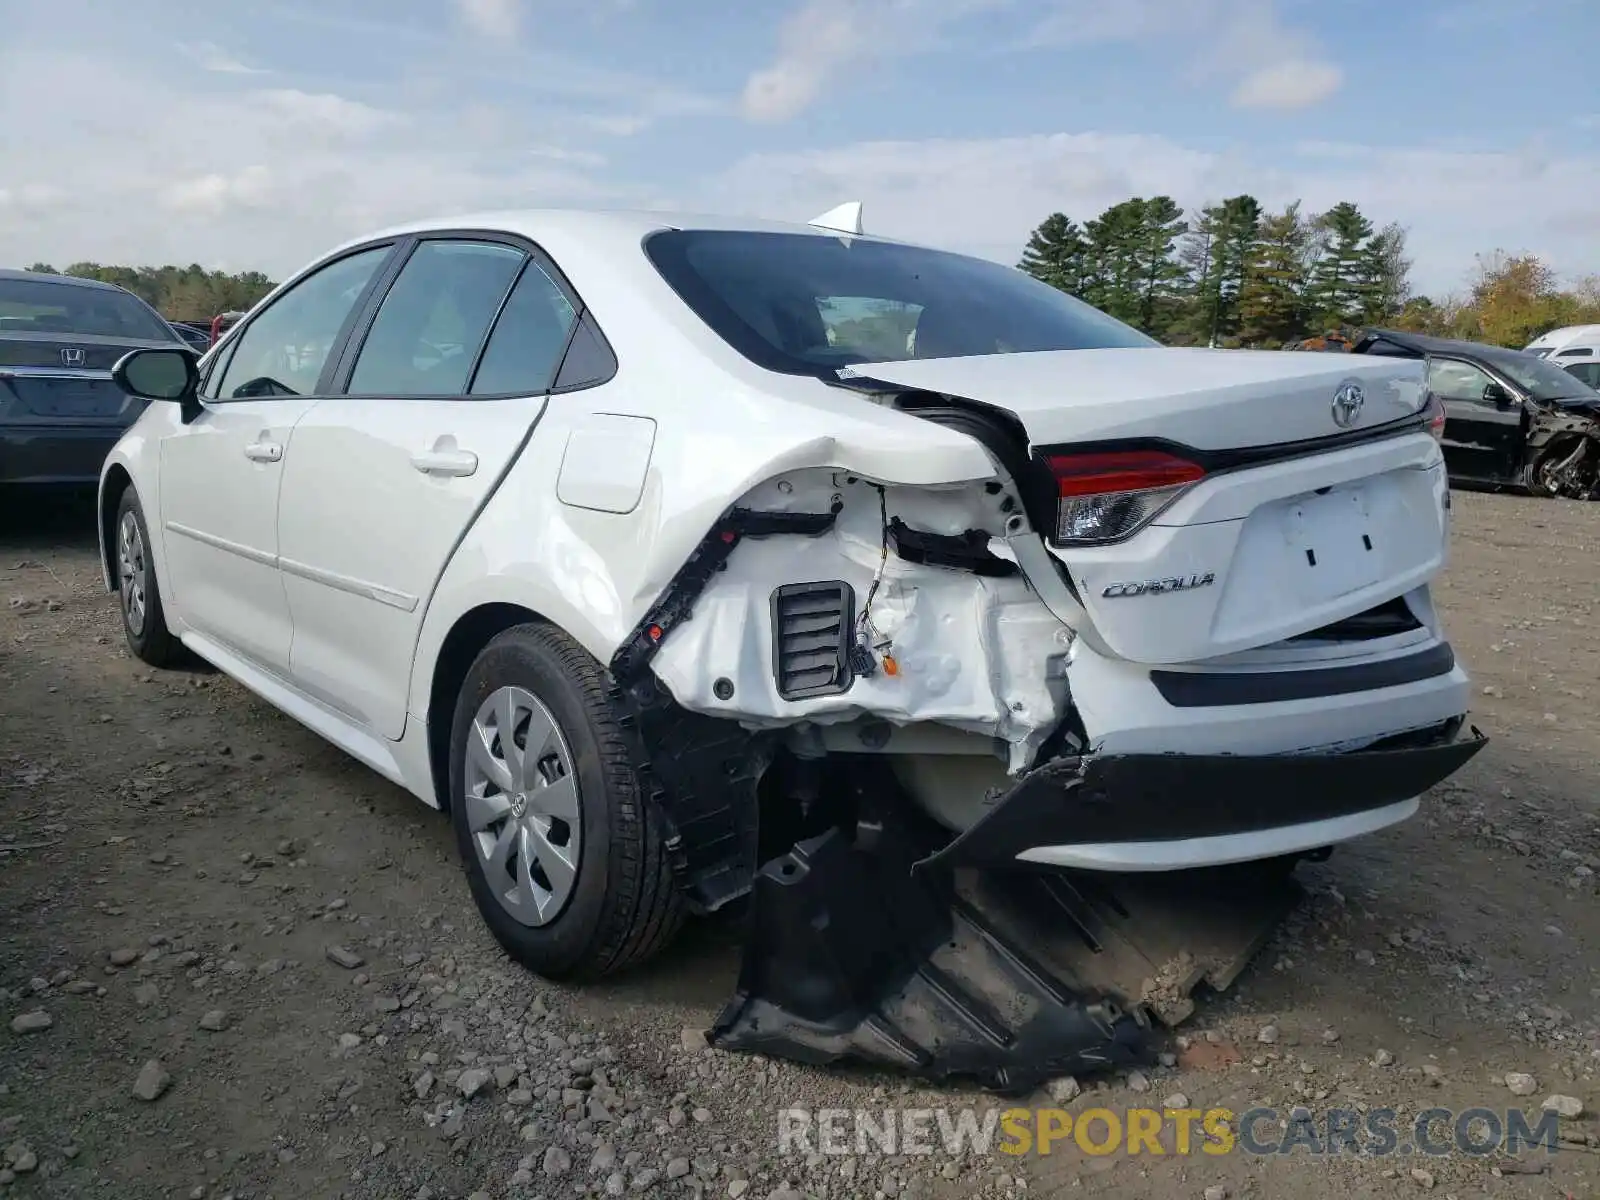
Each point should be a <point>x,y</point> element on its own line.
<point>880,945</point>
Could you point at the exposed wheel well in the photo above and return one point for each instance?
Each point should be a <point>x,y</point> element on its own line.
<point>117,481</point>
<point>473,631</point>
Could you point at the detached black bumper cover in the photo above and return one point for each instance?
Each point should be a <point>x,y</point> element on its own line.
<point>1013,977</point>
<point>1169,797</point>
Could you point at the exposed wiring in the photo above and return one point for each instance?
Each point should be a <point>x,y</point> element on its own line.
<point>869,639</point>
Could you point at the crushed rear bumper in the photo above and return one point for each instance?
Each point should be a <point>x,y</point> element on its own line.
<point>886,948</point>
<point>1133,798</point>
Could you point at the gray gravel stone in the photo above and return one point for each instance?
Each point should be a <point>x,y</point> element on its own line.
<point>152,1082</point>
<point>31,1022</point>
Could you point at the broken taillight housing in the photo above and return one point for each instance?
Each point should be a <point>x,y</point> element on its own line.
<point>1105,496</point>
<point>1433,411</point>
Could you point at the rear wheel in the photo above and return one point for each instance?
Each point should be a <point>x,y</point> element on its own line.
<point>144,623</point>
<point>564,853</point>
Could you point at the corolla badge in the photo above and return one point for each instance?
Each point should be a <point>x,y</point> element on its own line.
<point>1155,587</point>
<point>1347,402</point>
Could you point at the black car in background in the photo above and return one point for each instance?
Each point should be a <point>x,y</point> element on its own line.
<point>59,338</point>
<point>1511,418</point>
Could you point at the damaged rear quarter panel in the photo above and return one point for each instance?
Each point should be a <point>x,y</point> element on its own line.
<point>976,653</point>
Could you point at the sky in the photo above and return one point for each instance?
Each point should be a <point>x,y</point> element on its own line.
<point>256,135</point>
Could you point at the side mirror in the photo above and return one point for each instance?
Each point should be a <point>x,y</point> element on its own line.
<point>171,375</point>
<point>1495,394</point>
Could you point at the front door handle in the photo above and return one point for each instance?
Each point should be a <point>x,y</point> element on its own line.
<point>264,451</point>
<point>445,459</point>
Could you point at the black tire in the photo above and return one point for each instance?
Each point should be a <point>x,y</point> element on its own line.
<point>1531,481</point>
<point>625,903</point>
<point>144,622</point>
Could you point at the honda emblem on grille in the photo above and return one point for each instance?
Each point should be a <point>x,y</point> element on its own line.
<point>72,356</point>
<point>1347,402</point>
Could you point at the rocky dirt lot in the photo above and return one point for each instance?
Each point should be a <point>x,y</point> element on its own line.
<point>235,963</point>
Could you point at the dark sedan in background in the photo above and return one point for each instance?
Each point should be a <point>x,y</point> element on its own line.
<point>59,338</point>
<point>1511,418</point>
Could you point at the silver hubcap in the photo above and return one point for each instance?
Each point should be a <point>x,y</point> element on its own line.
<point>522,805</point>
<point>130,563</point>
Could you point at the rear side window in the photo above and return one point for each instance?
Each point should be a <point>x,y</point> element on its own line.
<point>808,305</point>
<point>1451,380</point>
<point>433,322</point>
<point>1588,372</point>
<point>528,338</point>
<point>44,305</point>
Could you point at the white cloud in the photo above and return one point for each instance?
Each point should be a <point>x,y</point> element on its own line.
<point>984,196</point>
<point>492,18</point>
<point>821,38</point>
<point>1288,85</point>
<point>209,56</point>
<point>1270,64</point>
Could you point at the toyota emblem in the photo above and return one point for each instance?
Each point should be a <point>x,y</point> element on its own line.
<point>1347,402</point>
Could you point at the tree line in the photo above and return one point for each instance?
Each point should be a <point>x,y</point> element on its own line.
<point>190,294</point>
<point>1236,274</point>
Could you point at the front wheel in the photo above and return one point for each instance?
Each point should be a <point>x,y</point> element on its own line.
<point>564,853</point>
<point>144,622</point>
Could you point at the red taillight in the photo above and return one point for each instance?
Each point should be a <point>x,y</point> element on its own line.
<point>1120,471</point>
<point>1105,496</point>
<point>1433,410</point>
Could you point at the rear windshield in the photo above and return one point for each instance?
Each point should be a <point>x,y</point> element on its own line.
<point>44,306</point>
<point>805,304</point>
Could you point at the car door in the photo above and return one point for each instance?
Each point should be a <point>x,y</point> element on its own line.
<point>220,474</point>
<point>444,387</point>
<point>1482,436</point>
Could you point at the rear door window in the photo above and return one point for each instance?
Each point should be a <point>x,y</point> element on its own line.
<point>434,319</point>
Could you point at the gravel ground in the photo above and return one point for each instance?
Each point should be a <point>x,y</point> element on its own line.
<point>235,963</point>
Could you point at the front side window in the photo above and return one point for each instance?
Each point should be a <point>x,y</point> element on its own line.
<point>809,304</point>
<point>1451,380</point>
<point>55,305</point>
<point>529,336</point>
<point>432,323</point>
<point>283,350</point>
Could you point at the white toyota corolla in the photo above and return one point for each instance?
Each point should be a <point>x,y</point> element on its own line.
<point>684,558</point>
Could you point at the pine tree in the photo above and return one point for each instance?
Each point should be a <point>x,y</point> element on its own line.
<point>1341,278</point>
<point>1160,225</point>
<point>1271,302</point>
<point>1055,254</point>
<point>1386,275</point>
<point>1214,254</point>
<point>1114,275</point>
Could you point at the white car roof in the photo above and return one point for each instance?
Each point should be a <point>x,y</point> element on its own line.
<point>620,225</point>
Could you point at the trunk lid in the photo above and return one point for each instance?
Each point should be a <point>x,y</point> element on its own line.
<point>1259,550</point>
<point>65,378</point>
<point>1206,399</point>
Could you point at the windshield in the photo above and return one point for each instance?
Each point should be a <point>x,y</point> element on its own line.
<point>805,304</point>
<point>1541,379</point>
<point>46,306</point>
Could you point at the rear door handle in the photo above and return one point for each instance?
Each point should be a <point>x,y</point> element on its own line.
<point>444,459</point>
<point>264,451</point>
